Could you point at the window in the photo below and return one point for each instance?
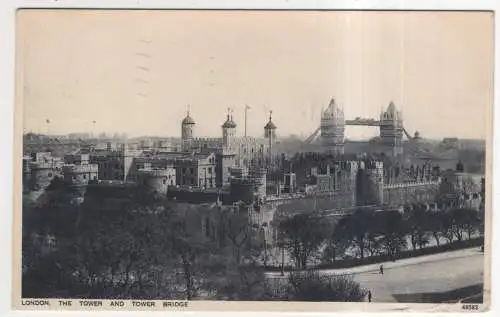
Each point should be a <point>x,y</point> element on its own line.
<point>50,175</point>
<point>191,170</point>
<point>210,170</point>
<point>164,181</point>
<point>84,176</point>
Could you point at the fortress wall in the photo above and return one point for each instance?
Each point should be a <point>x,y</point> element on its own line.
<point>311,204</point>
<point>411,193</point>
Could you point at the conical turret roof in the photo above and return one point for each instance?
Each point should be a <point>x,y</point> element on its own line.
<point>391,108</point>
<point>333,109</point>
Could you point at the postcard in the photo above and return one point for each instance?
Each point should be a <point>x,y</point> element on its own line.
<point>239,160</point>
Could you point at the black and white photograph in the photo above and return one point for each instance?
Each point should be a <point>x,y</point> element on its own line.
<point>176,157</point>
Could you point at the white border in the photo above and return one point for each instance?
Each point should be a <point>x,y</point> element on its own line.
<point>7,18</point>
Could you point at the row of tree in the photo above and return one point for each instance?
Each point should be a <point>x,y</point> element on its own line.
<point>134,250</point>
<point>368,232</point>
<point>150,251</point>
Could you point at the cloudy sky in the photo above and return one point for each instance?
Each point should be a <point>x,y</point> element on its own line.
<point>135,72</point>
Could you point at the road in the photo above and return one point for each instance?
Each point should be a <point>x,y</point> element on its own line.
<point>403,283</point>
<point>405,280</point>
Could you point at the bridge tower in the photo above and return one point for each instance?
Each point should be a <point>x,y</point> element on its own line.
<point>391,130</point>
<point>333,129</point>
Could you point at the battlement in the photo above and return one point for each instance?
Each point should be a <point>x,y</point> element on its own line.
<point>411,184</point>
<point>80,169</point>
<point>206,140</point>
<point>154,172</point>
<point>242,181</point>
<point>112,183</point>
<point>43,165</point>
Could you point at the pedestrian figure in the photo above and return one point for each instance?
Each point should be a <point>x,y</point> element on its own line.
<point>382,269</point>
<point>369,296</point>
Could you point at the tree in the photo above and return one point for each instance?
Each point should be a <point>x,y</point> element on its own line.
<point>303,235</point>
<point>447,226</point>
<point>236,229</point>
<point>359,231</point>
<point>313,286</point>
<point>337,242</point>
<point>192,250</point>
<point>463,220</point>
<point>391,231</point>
<point>416,226</point>
<point>472,222</point>
<point>435,225</point>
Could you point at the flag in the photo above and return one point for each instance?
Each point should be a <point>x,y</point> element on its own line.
<point>247,107</point>
<point>93,122</point>
<point>47,120</point>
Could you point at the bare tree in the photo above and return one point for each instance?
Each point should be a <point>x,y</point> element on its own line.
<point>304,234</point>
<point>313,286</point>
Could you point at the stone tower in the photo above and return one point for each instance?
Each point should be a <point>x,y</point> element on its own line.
<point>228,134</point>
<point>391,130</point>
<point>270,135</point>
<point>333,129</point>
<point>187,132</point>
<point>226,158</point>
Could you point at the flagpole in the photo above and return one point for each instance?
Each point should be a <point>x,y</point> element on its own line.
<point>246,109</point>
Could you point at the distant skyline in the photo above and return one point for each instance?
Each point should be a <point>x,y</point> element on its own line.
<point>136,72</point>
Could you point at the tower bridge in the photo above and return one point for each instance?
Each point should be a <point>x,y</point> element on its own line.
<point>332,129</point>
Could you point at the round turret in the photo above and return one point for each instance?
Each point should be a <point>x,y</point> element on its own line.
<point>156,181</point>
<point>187,132</point>
<point>228,132</point>
<point>270,127</point>
<point>188,120</point>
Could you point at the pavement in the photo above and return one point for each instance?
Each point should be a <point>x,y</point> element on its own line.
<point>424,274</point>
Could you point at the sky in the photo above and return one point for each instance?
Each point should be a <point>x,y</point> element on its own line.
<point>136,72</point>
